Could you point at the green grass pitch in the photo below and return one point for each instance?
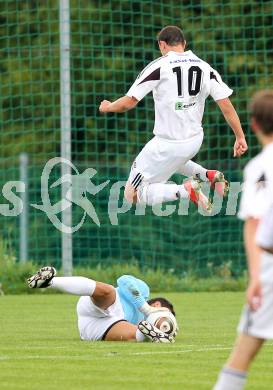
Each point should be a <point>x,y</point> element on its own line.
<point>40,348</point>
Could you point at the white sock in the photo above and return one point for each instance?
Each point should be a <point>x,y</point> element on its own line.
<point>231,379</point>
<point>192,169</point>
<point>157,193</point>
<point>76,285</point>
<point>183,193</point>
<point>140,336</point>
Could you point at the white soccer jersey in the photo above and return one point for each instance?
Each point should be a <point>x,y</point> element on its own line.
<point>180,82</point>
<point>264,236</point>
<point>257,195</point>
<point>257,202</point>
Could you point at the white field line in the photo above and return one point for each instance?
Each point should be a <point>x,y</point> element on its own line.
<point>177,351</point>
<point>111,354</point>
<point>118,354</point>
<point>97,345</point>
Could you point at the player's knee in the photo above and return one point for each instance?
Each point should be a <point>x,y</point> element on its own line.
<point>104,292</point>
<point>130,193</point>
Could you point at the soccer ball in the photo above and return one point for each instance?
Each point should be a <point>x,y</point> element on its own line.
<point>164,320</point>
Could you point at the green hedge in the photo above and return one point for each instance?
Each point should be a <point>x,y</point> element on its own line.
<point>13,277</point>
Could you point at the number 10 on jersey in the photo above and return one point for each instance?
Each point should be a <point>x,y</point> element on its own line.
<point>194,80</point>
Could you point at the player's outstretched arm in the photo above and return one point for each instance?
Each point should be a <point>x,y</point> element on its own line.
<point>231,116</point>
<point>122,104</point>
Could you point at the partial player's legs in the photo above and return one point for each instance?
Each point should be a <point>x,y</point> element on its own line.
<point>254,328</point>
<point>191,168</point>
<point>244,351</point>
<point>233,375</point>
<point>100,314</point>
<point>124,331</point>
<point>103,295</point>
<point>157,193</point>
<point>216,178</point>
<point>155,164</point>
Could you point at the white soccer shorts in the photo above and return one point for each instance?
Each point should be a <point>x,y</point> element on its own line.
<point>93,322</point>
<point>161,158</point>
<point>260,323</point>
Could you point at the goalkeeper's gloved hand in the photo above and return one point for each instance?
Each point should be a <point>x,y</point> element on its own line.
<point>147,309</point>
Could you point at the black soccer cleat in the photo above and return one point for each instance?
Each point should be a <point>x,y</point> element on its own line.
<point>43,278</point>
<point>153,333</point>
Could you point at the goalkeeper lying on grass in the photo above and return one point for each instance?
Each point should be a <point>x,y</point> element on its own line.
<point>109,313</point>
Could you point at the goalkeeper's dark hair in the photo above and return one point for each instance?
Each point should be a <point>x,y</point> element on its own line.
<point>164,303</point>
<point>261,109</point>
<point>172,35</point>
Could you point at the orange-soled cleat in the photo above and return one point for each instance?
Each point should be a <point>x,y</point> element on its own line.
<point>218,182</point>
<point>193,187</point>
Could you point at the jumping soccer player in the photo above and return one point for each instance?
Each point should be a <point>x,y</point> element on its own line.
<point>180,82</point>
<point>108,313</point>
<point>256,209</point>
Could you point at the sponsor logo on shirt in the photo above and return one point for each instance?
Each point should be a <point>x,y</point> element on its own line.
<point>177,61</point>
<point>183,106</point>
<point>184,60</point>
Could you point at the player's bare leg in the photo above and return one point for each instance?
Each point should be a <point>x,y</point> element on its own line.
<point>244,351</point>
<point>130,193</point>
<point>102,294</point>
<point>122,331</point>
<point>156,193</point>
<point>233,376</point>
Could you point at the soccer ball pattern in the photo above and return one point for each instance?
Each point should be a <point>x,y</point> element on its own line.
<point>164,320</point>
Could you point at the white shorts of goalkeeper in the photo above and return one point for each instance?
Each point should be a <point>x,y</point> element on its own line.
<point>161,158</point>
<point>93,322</point>
<point>260,323</point>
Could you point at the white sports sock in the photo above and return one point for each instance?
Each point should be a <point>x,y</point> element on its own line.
<point>192,169</point>
<point>76,285</point>
<point>157,193</point>
<point>183,193</point>
<point>231,379</point>
<point>140,336</point>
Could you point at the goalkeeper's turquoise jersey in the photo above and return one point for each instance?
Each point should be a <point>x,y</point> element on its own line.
<point>133,293</point>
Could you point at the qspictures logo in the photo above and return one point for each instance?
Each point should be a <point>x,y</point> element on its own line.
<point>77,190</point>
